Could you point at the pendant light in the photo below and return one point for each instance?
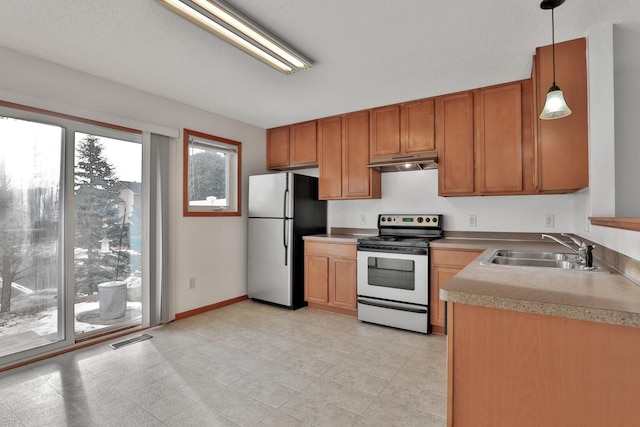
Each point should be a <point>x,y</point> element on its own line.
<point>555,107</point>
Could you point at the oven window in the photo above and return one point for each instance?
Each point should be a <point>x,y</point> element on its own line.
<point>391,273</point>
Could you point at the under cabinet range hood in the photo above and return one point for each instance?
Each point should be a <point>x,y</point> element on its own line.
<point>406,162</point>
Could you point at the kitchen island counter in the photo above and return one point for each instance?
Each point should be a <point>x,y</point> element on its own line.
<point>532,346</point>
<point>603,296</point>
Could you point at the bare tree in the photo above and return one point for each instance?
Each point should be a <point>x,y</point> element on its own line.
<point>12,238</point>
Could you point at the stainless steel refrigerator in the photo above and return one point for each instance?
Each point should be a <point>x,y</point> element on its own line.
<point>283,207</point>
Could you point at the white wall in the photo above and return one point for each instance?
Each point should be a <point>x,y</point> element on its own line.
<point>626,59</point>
<point>212,250</point>
<point>604,111</point>
<point>417,192</point>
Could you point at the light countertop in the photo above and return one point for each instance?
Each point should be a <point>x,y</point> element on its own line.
<point>600,296</point>
<point>333,238</point>
<point>343,235</point>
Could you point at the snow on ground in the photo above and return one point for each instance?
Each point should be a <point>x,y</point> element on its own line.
<point>38,312</point>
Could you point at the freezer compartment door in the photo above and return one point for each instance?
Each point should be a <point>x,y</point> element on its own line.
<point>270,195</point>
<point>270,260</point>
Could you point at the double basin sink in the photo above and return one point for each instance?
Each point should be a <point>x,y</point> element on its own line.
<point>564,261</point>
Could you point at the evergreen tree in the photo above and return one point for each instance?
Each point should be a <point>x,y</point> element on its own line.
<point>207,175</point>
<point>98,216</point>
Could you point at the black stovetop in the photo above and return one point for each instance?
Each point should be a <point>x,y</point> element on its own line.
<point>409,231</point>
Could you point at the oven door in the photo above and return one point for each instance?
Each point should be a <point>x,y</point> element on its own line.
<point>394,276</point>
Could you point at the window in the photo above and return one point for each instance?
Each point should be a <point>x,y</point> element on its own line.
<point>211,175</point>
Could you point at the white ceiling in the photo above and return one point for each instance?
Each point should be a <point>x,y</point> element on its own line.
<point>366,53</point>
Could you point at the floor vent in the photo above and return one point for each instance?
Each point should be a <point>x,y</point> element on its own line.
<point>117,345</point>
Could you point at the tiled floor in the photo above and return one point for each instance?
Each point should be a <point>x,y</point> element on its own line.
<point>246,364</point>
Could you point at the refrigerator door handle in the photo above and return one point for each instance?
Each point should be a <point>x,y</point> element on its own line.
<point>285,202</point>
<point>285,239</point>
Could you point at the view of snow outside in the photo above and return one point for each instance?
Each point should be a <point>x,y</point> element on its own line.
<point>30,198</point>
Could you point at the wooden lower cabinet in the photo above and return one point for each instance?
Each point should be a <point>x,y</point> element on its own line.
<point>509,368</point>
<point>330,276</point>
<point>445,263</point>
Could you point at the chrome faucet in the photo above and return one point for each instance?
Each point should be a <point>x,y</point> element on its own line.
<point>584,251</point>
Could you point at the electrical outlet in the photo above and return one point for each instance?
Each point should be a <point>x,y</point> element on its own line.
<point>549,220</point>
<point>472,221</point>
<point>192,283</point>
<point>587,224</point>
<point>363,219</point>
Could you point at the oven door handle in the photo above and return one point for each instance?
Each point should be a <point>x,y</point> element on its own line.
<point>404,251</point>
<point>391,306</point>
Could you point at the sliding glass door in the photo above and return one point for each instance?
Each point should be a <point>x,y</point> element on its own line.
<point>108,221</point>
<point>73,204</point>
<point>32,309</point>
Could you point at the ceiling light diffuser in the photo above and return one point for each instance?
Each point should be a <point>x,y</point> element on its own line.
<point>222,21</point>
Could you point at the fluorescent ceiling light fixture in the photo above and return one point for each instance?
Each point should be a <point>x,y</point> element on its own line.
<point>220,20</point>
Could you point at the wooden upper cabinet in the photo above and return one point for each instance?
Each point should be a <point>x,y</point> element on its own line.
<point>454,140</point>
<point>343,156</point>
<point>563,146</point>
<point>498,127</point>
<point>292,146</point>
<point>529,171</point>
<point>406,128</point>
<point>278,147</point>
<point>417,126</point>
<point>490,141</point>
<point>359,181</point>
<point>303,150</point>
<point>485,141</point>
<point>330,158</point>
<point>385,131</point>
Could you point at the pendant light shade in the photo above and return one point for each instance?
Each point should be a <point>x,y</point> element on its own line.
<point>555,106</point>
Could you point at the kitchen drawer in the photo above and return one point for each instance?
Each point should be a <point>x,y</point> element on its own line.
<point>345,250</point>
<point>453,257</point>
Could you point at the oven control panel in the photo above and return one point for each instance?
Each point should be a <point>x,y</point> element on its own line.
<point>421,221</point>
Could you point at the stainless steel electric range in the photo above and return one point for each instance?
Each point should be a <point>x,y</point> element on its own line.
<point>393,271</point>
